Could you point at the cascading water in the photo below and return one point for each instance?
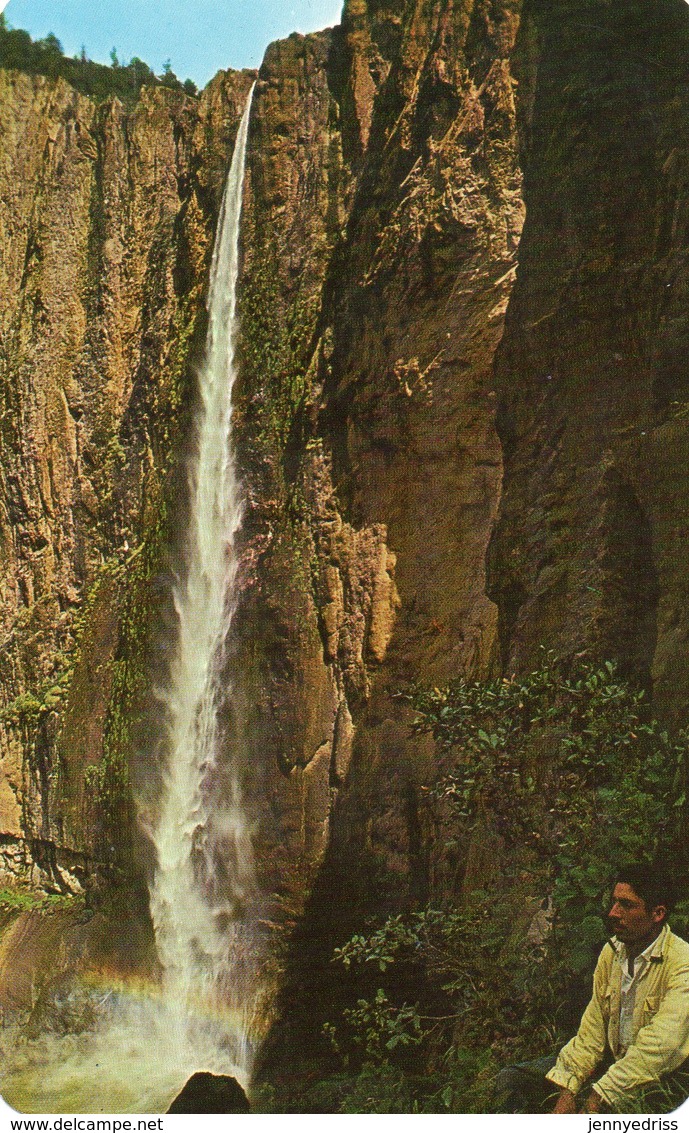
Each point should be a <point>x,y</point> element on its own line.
<point>204,871</point>
<point>148,1042</point>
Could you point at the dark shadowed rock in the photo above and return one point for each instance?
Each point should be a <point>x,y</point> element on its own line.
<point>211,1093</point>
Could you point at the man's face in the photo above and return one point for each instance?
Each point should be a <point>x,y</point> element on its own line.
<point>629,918</point>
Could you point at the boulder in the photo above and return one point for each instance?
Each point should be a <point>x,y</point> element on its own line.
<point>211,1093</point>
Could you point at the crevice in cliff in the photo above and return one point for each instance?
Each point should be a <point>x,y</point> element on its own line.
<point>627,628</point>
<point>581,554</point>
<point>399,467</point>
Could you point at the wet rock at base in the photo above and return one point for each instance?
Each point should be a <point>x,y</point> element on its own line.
<point>211,1093</point>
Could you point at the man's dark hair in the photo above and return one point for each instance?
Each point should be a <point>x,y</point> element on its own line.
<point>652,883</point>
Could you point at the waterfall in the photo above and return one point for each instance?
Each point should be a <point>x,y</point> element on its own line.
<point>149,1040</point>
<point>204,876</point>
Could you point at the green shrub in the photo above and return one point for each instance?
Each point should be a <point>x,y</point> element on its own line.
<point>569,764</point>
<point>572,775</point>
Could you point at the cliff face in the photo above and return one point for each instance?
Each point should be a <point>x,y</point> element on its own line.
<point>438,317</point>
<point>402,340</point>
<point>589,548</point>
<point>382,216</point>
<point>107,219</point>
<point>382,222</point>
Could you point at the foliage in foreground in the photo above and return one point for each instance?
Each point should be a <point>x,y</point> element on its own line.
<point>568,774</point>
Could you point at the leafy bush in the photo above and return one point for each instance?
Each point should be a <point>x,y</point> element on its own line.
<point>379,1028</point>
<point>572,775</point>
<point>569,764</point>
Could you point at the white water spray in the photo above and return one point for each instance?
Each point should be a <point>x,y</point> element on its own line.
<point>149,1041</point>
<point>204,874</point>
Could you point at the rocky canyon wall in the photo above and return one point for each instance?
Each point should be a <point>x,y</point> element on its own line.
<point>589,550</point>
<point>383,218</point>
<point>441,320</point>
<point>462,433</point>
<point>107,217</point>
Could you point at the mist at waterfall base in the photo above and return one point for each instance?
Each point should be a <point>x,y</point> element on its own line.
<point>149,1040</point>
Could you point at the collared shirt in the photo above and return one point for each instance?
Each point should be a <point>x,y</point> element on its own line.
<point>628,988</point>
<point>660,1039</point>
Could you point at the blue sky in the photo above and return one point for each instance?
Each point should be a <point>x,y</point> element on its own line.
<point>197,36</point>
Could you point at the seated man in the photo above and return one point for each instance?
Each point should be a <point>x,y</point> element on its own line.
<point>637,1023</point>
